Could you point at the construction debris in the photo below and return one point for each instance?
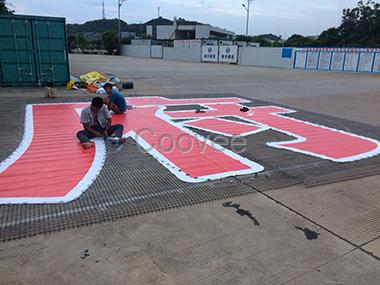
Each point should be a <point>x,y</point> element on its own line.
<point>94,81</point>
<point>92,77</point>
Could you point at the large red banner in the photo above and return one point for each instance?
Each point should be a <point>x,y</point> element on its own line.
<point>51,167</point>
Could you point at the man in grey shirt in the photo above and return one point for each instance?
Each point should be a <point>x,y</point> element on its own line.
<point>97,120</point>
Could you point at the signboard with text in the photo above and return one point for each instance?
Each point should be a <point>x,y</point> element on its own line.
<point>228,54</point>
<point>210,53</point>
<point>338,59</point>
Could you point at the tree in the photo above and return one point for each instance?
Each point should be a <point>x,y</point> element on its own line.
<point>126,41</point>
<point>80,41</point>
<point>96,26</point>
<point>360,27</point>
<point>98,44</point>
<point>299,41</point>
<point>4,9</point>
<point>257,39</point>
<point>110,41</point>
<point>71,42</point>
<point>145,36</point>
<point>330,37</point>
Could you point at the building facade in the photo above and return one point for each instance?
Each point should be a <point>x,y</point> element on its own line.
<point>180,29</point>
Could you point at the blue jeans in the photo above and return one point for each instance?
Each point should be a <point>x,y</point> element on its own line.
<point>85,136</point>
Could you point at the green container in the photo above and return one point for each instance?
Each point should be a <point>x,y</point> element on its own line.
<point>33,51</point>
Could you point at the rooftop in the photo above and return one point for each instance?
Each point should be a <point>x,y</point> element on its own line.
<point>166,22</point>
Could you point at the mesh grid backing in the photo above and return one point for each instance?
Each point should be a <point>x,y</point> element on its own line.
<point>133,183</point>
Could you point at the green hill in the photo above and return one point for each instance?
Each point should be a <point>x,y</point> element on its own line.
<point>96,26</point>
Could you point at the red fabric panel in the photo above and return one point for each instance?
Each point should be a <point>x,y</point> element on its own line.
<point>55,162</point>
<point>200,159</point>
<point>223,126</point>
<point>319,140</point>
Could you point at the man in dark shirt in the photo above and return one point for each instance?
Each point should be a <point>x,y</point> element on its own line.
<point>114,100</point>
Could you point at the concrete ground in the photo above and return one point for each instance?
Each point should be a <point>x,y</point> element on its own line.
<point>337,239</point>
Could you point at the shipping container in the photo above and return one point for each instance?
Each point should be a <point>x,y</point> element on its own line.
<point>33,51</point>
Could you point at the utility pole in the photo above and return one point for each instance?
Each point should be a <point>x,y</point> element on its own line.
<point>119,4</point>
<point>159,14</point>
<point>103,11</point>
<point>247,8</point>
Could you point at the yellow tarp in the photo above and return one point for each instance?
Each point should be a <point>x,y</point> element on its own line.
<point>70,85</point>
<point>92,77</point>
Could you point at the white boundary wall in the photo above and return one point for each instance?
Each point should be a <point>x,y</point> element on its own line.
<point>265,57</point>
<point>183,54</point>
<point>135,51</point>
<point>324,59</point>
<point>157,51</point>
<point>187,43</point>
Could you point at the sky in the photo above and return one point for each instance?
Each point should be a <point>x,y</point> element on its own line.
<point>280,17</point>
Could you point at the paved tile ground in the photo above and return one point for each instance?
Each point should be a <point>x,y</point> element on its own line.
<point>210,243</point>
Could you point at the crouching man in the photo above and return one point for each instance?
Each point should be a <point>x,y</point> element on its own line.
<point>114,100</point>
<point>97,120</point>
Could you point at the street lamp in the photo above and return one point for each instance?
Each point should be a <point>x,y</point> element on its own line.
<point>119,4</point>
<point>247,7</point>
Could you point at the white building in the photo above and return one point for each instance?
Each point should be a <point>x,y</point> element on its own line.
<point>164,29</point>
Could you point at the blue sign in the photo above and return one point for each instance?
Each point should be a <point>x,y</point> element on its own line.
<point>287,53</point>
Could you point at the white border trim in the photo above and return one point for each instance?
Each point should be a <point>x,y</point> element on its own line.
<point>253,166</point>
<point>196,101</point>
<point>297,139</point>
<point>81,187</point>
<point>25,142</point>
<point>100,154</point>
<point>100,149</point>
<point>233,100</point>
<point>260,128</point>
